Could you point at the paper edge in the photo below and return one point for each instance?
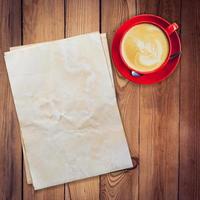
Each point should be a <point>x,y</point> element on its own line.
<point>107,56</point>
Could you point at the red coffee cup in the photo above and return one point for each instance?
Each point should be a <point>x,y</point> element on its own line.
<point>167,31</point>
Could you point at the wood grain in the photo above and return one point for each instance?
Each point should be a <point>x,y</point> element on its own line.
<point>189,181</point>
<point>159,123</point>
<point>152,116</point>
<point>10,27</point>
<point>10,147</point>
<point>82,17</point>
<point>43,20</point>
<point>122,185</point>
<point>86,189</point>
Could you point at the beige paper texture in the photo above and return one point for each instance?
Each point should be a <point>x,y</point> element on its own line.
<point>106,51</point>
<point>67,110</point>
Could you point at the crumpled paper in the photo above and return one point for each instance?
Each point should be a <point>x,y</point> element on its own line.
<point>106,51</point>
<point>66,105</point>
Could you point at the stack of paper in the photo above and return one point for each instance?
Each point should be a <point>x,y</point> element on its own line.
<point>65,101</point>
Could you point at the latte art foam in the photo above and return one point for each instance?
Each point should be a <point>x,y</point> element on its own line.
<point>145,47</point>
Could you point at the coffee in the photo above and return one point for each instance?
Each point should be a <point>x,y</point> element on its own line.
<point>145,47</point>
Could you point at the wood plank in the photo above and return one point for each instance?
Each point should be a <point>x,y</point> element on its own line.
<point>159,122</point>
<point>86,189</point>
<point>10,27</point>
<point>189,181</point>
<point>82,17</point>
<point>10,146</point>
<point>43,20</point>
<point>122,185</point>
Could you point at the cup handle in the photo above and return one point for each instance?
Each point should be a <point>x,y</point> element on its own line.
<point>171,28</point>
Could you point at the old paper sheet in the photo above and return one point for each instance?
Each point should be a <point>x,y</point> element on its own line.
<point>106,51</point>
<point>67,110</point>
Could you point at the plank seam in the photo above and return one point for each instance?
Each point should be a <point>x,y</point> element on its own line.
<point>66,185</point>
<point>22,16</point>
<point>22,161</point>
<point>100,29</point>
<point>139,122</point>
<point>65,13</point>
<point>100,16</point>
<point>178,194</point>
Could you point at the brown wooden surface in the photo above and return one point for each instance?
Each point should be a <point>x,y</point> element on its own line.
<point>161,121</point>
<point>10,147</point>
<point>82,17</point>
<point>122,185</point>
<point>189,179</point>
<point>43,20</point>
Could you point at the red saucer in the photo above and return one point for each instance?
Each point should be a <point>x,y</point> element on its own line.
<point>153,77</point>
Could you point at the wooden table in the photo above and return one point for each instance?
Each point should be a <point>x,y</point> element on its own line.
<point>162,121</point>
